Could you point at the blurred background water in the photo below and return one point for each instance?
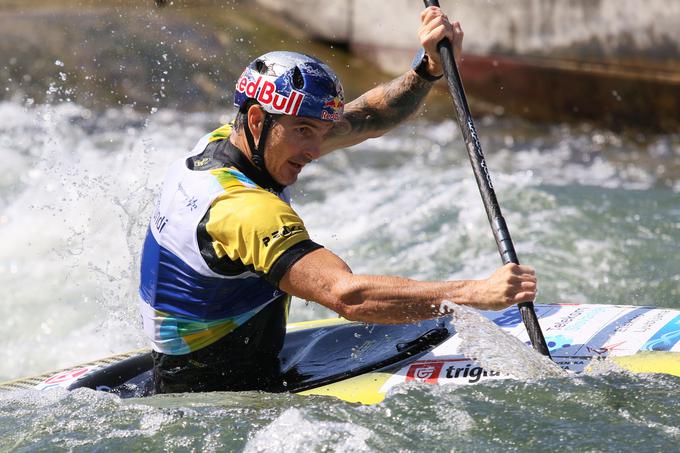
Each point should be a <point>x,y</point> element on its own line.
<point>596,212</point>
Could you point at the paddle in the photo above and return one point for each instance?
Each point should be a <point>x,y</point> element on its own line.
<point>481,171</point>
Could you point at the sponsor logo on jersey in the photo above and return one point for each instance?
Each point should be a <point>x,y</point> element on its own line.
<point>190,201</point>
<point>284,232</point>
<point>264,91</point>
<point>159,221</point>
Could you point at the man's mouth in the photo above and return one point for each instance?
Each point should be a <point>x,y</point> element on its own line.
<point>297,165</point>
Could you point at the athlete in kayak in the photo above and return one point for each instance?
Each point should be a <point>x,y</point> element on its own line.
<point>225,251</point>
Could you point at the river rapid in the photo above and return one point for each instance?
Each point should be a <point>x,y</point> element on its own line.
<point>596,213</point>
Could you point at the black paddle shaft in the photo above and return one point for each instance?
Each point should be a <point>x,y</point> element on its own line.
<point>483,177</point>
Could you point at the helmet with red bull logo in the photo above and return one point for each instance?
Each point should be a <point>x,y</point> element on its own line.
<point>289,83</point>
<point>292,83</point>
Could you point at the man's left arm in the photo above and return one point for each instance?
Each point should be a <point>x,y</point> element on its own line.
<point>386,106</point>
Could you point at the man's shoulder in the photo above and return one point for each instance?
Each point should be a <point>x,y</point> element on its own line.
<point>230,178</point>
<point>241,195</point>
<point>255,217</point>
<point>221,133</point>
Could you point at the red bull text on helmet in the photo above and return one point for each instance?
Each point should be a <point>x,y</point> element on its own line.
<point>291,83</point>
<point>263,89</point>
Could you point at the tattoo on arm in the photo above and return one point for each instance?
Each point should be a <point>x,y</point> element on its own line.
<point>387,105</point>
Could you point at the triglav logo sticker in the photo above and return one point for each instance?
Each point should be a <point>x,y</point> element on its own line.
<point>424,372</point>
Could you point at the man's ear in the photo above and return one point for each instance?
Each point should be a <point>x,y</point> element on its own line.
<point>255,120</point>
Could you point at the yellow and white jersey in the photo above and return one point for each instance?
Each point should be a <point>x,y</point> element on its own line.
<point>217,245</point>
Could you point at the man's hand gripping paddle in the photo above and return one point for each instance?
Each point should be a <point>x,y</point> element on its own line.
<point>493,211</point>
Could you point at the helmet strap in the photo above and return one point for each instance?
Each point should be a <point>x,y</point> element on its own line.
<point>257,152</point>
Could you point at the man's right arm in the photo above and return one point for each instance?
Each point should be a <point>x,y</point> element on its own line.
<point>388,105</point>
<point>323,277</point>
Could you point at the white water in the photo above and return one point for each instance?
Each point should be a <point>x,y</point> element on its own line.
<point>292,430</point>
<point>74,212</point>
<point>597,217</point>
<point>495,349</point>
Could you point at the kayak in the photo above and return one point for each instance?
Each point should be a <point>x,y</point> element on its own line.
<point>361,363</point>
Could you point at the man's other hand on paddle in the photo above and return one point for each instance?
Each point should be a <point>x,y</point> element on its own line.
<point>435,26</point>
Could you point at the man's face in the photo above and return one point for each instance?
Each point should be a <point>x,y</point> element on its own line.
<point>293,142</point>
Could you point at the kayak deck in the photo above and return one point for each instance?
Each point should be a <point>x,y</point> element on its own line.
<point>362,362</point>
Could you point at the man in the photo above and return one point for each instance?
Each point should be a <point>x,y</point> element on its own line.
<point>225,250</point>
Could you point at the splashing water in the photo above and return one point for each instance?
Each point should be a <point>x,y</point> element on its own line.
<point>603,366</point>
<point>293,428</point>
<point>495,349</point>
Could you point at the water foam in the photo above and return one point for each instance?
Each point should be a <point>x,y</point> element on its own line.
<point>294,431</point>
<point>495,349</point>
